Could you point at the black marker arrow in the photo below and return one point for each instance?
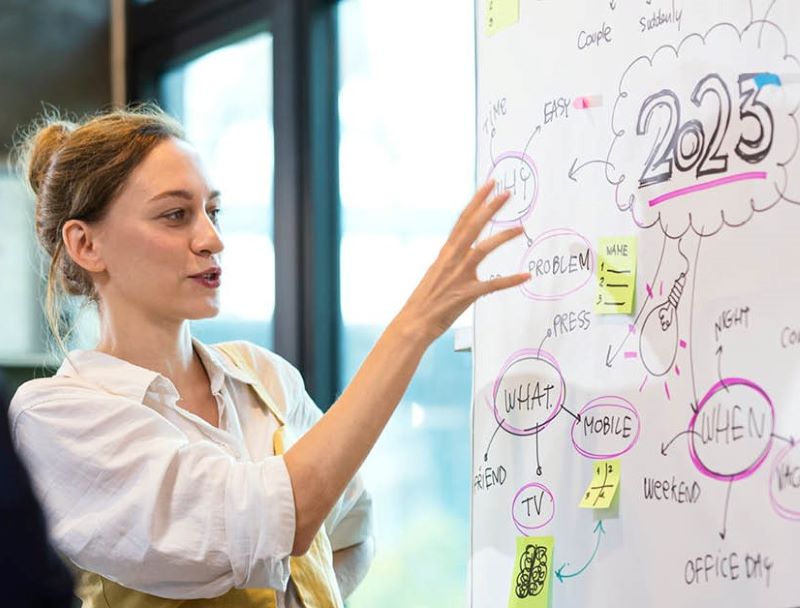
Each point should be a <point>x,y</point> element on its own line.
<point>576,416</point>
<point>486,453</point>
<point>527,236</point>
<point>790,440</point>
<point>719,367</point>
<point>530,139</point>
<point>609,359</point>
<point>671,441</point>
<point>725,516</point>
<point>538,464</point>
<point>547,335</point>
<point>573,169</point>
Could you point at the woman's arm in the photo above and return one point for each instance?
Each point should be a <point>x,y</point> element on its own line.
<point>131,497</point>
<point>322,462</point>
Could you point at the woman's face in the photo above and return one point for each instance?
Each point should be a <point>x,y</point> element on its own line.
<point>157,234</point>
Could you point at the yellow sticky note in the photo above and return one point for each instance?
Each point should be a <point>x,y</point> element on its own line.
<point>603,486</point>
<point>500,14</point>
<point>616,275</point>
<point>533,571</point>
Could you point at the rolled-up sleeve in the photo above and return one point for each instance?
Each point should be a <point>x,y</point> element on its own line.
<point>128,496</point>
<point>258,554</point>
<point>350,520</point>
<point>354,522</point>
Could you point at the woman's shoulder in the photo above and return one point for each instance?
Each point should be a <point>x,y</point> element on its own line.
<point>51,387</point>
<point>81,375</point>
<point>50,391</point>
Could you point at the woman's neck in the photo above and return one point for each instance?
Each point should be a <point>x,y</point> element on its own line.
<point>165,348</point>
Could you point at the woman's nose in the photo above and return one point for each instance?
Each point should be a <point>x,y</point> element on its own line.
<point>207,239</point>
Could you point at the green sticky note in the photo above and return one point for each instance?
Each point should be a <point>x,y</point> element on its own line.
<point>616,275</point>
<point>603,486</point>
<point>533,571</point>
<point>500,14</point>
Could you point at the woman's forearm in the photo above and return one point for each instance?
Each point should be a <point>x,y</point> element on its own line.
<point>324,460</point>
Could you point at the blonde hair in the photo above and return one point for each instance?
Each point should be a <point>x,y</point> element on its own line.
<point>75,170</point>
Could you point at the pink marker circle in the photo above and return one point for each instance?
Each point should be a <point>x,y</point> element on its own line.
<point>520,214</point>
<point>546,236</point>
<point>523,355</point>
<point>725,385</point>
<point>526,529</point>
<point>609,402</point>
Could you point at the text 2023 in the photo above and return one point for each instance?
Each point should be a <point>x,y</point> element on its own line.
<point>684,145</point>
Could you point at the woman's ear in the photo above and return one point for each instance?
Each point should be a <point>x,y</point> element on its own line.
<point>81,245</point>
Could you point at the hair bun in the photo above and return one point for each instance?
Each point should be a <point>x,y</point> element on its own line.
<point>42,146</point>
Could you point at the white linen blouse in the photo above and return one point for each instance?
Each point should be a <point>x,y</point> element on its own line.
<point>151,496</point>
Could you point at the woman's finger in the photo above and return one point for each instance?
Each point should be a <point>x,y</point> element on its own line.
<point>486,246</point>
<point>471,227</point>
<point>481,194</point>
<point>487,212</point>
<point>500,283</point>
<point>476,223</point>
<point>478,202</point>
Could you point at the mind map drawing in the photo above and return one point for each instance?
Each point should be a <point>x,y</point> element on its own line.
<point>674,124</point>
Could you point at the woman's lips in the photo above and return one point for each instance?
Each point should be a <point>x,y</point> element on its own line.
<point>210,278</point>
<point>212,283</point>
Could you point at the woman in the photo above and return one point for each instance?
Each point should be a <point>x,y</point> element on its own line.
<point>162,463</point>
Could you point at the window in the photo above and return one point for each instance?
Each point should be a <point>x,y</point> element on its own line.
<point>406,111</point>
<point>224,100</point>
<point>406,169</point>
<point>19,289</point>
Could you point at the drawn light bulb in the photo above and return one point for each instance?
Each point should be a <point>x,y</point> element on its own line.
<point>658,341</point>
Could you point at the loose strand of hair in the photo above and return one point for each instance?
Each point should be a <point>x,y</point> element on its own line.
<point>52,302</point>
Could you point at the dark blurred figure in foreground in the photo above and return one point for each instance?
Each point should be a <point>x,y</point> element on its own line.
<point>31,574</point>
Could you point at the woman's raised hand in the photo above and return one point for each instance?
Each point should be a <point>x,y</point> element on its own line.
<point>451,284</point>
<point>324,460</point>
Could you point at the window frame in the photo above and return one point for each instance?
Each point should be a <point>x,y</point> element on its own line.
<point>163,33</point>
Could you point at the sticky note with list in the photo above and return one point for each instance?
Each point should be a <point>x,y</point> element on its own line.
<point>616,275</point>
<point>500,14</point>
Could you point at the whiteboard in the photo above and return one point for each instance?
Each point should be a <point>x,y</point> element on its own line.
<point>671,126</point>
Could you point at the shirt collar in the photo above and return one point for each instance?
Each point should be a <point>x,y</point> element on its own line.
<point>120,377</point>
<point>218,366</point>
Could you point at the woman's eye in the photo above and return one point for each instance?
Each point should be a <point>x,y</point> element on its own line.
<point>175,215</point>
<point>214,214</point>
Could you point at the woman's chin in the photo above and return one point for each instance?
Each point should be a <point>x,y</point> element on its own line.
<point>204,312</point>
